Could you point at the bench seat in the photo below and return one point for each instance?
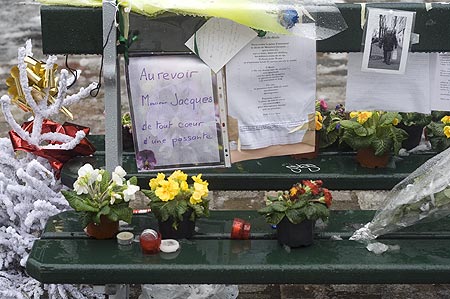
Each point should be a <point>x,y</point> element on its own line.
<point>338,169</point>
<point>64,254</point>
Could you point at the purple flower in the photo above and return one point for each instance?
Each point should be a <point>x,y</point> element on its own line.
<point>145,160</point>
<point>288,18</point>
<point>338,126</point>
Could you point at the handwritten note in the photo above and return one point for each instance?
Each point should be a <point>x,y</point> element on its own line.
<point>440,83</point>
<point>218,40</point>
<point>174,112</point>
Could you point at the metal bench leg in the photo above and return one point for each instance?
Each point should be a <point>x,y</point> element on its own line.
<point>114,291</point>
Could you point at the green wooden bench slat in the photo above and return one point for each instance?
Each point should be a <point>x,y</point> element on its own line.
<point>57,259</point>
<point>62,33</point>
<point>341,223</point>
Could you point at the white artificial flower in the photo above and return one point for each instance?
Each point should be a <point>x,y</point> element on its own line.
<point>80,187</point>
<point>120,171</point>
<point>117,179</point>
<point>128,194</point>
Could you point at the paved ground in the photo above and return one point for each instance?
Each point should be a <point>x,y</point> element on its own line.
<point>21,22</point>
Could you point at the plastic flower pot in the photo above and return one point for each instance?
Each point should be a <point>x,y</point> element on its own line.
<point>185,228</point>
<point>295,235</point>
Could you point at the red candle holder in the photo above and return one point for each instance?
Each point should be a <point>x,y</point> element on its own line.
<point>150,241</point>
<point>240,229</point>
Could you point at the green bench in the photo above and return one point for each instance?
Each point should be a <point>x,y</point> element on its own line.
<point>64,254</point>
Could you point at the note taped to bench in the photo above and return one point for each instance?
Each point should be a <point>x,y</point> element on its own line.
<point>271,88</point>
<point>177,107</point>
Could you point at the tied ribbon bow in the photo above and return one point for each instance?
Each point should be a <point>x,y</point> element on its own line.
<point>56,157</point>
<point>40,79</point>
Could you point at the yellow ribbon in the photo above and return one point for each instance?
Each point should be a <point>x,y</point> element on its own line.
<point>40,80</point>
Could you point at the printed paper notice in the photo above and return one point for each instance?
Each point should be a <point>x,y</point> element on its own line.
<point>218,40</point>
<point>174,115</point>
<point>390,92</point>
<point>271,87</point>
<point>440,83</point>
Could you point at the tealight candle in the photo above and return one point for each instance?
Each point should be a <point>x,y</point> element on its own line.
<point>124,238</point>
<point>240,229</point>
<point>150,241</point>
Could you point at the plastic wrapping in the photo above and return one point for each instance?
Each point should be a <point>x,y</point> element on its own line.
<point>316,19</point>
<point>424,194</point>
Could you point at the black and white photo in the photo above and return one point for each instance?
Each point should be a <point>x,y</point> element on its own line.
<point>386,46</point>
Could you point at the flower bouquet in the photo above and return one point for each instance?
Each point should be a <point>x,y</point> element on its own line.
<point>295,211</point>
<point>176,204</point>
<point>101,199</point>
<point>423,195</point>
<point>373,134</point>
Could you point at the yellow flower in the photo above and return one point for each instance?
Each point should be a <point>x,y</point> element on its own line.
<point>354,114</point>
<point>154,183</point>
<point>184,186</point>
<point>167,190</point>
<point>446,119</point>
<point>395,121</point>
<point>319,120</point>
<point>364,116</point>
<point>178,175</point>
<point>200,191</point>
<point>447,131</point>
<point>293,191</point>
<point>198,179</point>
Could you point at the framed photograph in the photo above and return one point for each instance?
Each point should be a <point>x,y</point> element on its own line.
<point>178,109</point>
<point>386,44</point>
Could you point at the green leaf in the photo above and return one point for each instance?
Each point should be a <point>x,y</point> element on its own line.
<point>265,210</point>
<point>105,181</point>
<point>279,206</point>
<point>275,218</point>
<point>121,212</point>
<point>295,216</point>
<point>133,180</point>
<point>78,203</point>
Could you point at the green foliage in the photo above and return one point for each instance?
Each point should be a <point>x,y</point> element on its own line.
<point>303,201</point>
<point>437,137</point>
<point>415,119</point>
<point>102,197</point>
<point>377,132</point>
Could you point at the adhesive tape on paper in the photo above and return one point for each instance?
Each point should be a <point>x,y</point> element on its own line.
<point>169,245</point>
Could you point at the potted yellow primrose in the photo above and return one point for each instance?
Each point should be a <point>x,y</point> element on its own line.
<point>177,204</point>
<point>374,135</point>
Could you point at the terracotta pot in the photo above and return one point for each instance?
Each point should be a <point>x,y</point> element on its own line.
<point>107,229</point>
<point>366,158</point>
<point>185,228</point>
<point>295,235</point>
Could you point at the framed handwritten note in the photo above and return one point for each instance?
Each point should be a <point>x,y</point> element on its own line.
<point>177,106</point>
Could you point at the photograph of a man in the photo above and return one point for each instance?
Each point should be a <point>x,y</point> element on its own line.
<point>388,33</point>
<point>389,44</point>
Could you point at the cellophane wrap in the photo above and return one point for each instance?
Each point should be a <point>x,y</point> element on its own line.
<point>318,19</point>
<point>424,195</point>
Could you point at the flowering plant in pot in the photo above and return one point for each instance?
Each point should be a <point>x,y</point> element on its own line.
<point>102,199</point>
<point>373,134</point>
<point>413,123</point>
<point>294,212</point>
<point>331,131</point>
<point>176,204</point>
<point>438,131</point>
